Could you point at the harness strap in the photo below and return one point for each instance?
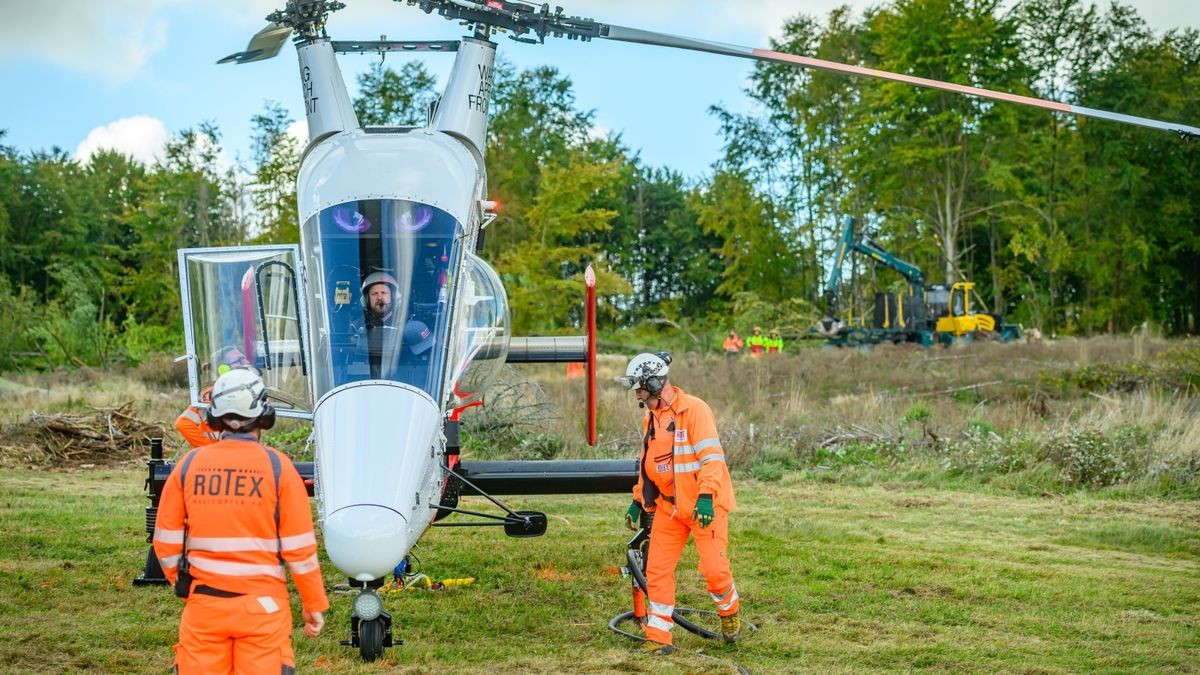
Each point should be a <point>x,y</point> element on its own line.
<point>275,469</point>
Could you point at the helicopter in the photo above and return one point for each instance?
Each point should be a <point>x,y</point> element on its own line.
<point>407,208</point>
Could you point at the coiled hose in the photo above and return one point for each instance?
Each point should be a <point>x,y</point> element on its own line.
<point>634,556</point>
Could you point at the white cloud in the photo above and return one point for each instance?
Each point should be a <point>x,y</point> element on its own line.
<point>112,39</point>
<point>299,131</point>
<point>141,137</point>
<point>599,131</point>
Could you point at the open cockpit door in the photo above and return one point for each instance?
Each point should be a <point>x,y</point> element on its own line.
<point>242,307</point>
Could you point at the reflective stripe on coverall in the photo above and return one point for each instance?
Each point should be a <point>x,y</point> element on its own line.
<point>697,467</point>
<point>234,547</point>
<point>191,425</point>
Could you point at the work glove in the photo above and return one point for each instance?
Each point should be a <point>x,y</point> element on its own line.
<point>704,510</point>
<point>633,516</point>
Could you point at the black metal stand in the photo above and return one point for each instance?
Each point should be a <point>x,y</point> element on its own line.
<point>152,574</point>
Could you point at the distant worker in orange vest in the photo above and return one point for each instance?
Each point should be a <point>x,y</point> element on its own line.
<point>732,345</point>
<point>774,342</point>
<point>190,424</point>
<point>684,482</point>
<point>231,515</point>
<point>757,342</point>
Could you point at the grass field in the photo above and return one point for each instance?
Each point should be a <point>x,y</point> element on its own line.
<point>838,578</point>
<point>1005,508</point>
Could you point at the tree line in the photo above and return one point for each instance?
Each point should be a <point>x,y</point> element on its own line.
<point>1071,225</point>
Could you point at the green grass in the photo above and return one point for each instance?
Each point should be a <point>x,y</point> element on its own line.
<point>838,578</point>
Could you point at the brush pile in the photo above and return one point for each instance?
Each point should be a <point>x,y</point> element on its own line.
<point>106,436</point>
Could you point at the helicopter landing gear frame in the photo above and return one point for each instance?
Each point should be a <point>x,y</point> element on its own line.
<point>370,625</point>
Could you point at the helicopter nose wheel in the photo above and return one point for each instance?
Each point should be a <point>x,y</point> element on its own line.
<point>370,626</point>
<point>370,639</point>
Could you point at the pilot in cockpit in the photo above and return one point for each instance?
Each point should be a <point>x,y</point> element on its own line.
<point>395,349</point>
<point>377,328</point>
<point>379,298</point>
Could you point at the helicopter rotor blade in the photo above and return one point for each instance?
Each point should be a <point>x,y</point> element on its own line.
<point>636,35</point>
<point>265,44</point>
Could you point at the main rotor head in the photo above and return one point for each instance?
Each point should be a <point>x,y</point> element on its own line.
<point>306,17</point>
<point>302,17</point>
<point>518,18</point>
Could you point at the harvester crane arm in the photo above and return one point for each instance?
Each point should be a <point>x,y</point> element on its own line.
<point>830,325</point>
<point>868,247</point>
<point>845,241</point>
<point>909,271</point>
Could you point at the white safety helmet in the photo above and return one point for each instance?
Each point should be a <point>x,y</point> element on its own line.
<point>647,371</point>
<point>239,401</point>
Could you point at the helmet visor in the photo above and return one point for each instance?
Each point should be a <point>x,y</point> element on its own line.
<point>628,382</point>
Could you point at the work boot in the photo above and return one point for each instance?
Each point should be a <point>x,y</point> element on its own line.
<point>653,648</point>
<point>731,627</point>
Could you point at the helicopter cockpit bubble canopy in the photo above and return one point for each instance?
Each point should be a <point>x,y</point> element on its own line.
<point>241,307</point>
<point>380,284</point>
<point>393,210</point>
<point>481,344</point>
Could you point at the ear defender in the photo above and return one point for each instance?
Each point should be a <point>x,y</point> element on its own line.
<point>654,385</point>
<point>267,419</point>
<point>213,421</point>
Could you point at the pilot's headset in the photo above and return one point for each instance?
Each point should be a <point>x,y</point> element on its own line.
<point>647,371</point>
<point>239,403</point>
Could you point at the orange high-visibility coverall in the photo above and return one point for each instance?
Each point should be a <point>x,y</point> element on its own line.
<point>191,425</point>
<point>732,345</point>
<point>682,459</point>
<point>238,616</point>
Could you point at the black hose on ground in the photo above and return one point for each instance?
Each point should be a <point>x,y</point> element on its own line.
<point>638,545</point>
<point>677,615</point>
<point>639,578</point>
<point>628,616</point>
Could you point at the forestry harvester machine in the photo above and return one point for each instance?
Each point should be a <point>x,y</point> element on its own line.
<point>926,315</point>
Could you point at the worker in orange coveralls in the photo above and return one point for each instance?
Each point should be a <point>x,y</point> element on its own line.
<point>240,511</point>
<point>190,424</point>
<point>685,483</point>
<point>732,345</point>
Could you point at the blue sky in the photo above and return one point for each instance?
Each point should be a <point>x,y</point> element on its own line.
<point>82,74</point>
